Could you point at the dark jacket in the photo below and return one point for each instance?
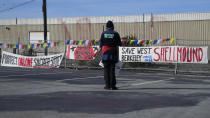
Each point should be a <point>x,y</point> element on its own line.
<point>109,42</point>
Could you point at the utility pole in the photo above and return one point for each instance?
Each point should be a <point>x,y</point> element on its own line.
<point>18,34</point>
<point>44,10</point>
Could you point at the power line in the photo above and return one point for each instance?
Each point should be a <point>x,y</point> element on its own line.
<point>16,6</point>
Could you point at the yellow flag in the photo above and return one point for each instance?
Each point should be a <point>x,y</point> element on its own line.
<point>29,46</point>
<point>150,41</point>
<point>80,42</point>
<point>131,42</point>
<point>172,41</point>
<point>45,45</point>
<point>60,42</point>
<point>96,41</point>
<point>13,45</point>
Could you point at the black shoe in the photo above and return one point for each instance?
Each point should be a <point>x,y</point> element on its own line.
<point>114,88</point>
<point>107,88</point>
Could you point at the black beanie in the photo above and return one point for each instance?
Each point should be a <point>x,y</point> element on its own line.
<point>110,24</point>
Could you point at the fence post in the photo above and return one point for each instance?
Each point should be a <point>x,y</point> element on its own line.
<point>176,64</point>
<point>65,51</point>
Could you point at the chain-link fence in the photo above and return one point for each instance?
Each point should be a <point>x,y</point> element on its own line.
<point>189,29</point>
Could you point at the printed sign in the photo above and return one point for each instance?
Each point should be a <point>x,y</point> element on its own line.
<point>14,60</point>
<point>81,52</point>
<point>166,54</point>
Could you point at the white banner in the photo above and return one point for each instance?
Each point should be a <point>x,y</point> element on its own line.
<point>81,52</point>
<point>14,60</point>
<point>166,54</point>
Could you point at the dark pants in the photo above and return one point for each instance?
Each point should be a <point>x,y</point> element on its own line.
<point>109,74</point>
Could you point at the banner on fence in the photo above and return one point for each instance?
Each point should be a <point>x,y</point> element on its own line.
<point>14,60</point>
<point>166,54</point>
<point>81,52</point>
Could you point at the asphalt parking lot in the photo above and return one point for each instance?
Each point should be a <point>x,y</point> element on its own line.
<point>66,93</point>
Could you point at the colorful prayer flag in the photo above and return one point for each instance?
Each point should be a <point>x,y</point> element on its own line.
<point>68,42</point>
<point>142,41</point>
<point>135,42</point>
<point>80,42</point>
<point>147,42</point>
<point>48,45</point>
<point>74,42</point>
<point>17,46</point>
<point>168,39</point>
<point>38,45</point>
<point>32,46</point>
<point>83,42</point>
<point>23,46</point>
<point>93,41</point>
<point>29,46</point>
<point>71,42</point>
<point>159,41</point>
<point>138,41</point>
<point>127,42</point>
<point>45,45</point>
<point>11,46</point>
<point>131,42</point>
<point>86,42</point>
<point>96,42</point>
<point>90,42</point>
<point>150,41</point>
<point>154,42</point>
<point>172,41</point>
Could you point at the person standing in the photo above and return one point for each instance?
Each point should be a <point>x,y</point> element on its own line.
<point>109,43</point>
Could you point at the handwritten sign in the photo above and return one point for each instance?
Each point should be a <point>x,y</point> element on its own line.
<point>14,60</point>
<point>166,54</point>
<point>81,52</point>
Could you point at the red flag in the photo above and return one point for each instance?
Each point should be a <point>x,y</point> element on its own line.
<point>124,41</point>
<point>142,41</point>
<point>74,42</point>
<point>23,46</point>
<point>90,42</point>
<point>164,40</point>
<point>38,45</point>
<point>8,45</point>
<point>55,44</point>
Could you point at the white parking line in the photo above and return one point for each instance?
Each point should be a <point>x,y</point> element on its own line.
<point>149,75</point>
<point>200,76</point>
<point>80,78</point>
<point>150,82</point>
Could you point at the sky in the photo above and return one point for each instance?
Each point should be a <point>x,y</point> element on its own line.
<point>86,8</point>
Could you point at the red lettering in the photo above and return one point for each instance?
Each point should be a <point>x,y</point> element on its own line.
<point>184,55</point>
<point>166,50</point>
<point>179,52</point>
<point>189,54</point>
<point>158,59</point>
<point>195,54</point>
<point>200,55</point>
<point>162,54</point>
<point>27,62</point>
<point>170,55</point>
<point>84,53</point>
<point>174,55</point>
